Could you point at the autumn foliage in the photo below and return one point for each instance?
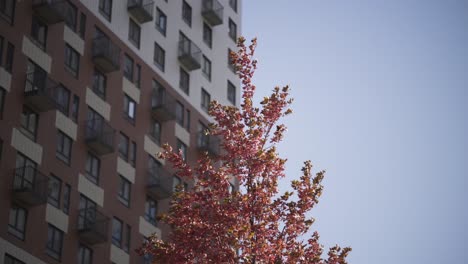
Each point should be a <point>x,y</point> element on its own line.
<point>254,224</point>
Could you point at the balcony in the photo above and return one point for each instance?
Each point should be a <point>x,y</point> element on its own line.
<point>30,186</point>
<point>212,11</point>
<point>189,54</point>
<point>141,10</point>
<point>208,143</point>
<point>40,92</point>
<point>99,136</point>
<point>50,11</point>
<point>162,105</point>
<point>106,55</point>
<point>93,226</point>
<point>159,183</point>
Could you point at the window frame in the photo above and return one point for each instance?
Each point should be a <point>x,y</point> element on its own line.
<point>82,256</point>
<point>71,16</point>
<point>161,16</point>
<point>179,113</point>
<point>205,100</point>
<point>72,61</point>
<point>232,32</point>
<point>99,83</point>
<point>156,133</point>
<point>82,29</point>
<point>53,250</point>
<point>10,57</point>
<point>207,35</point>
<point>93,168</point>
<point>18,228</point>
<point>75,108</point>
<point>53,197</point>
<point>159,58</point>
<point>9,259</point>
<point>9,17</point>
<point>184,81</point>
<point>151,210</point>
<point>187,13</point>
<point>128,68</point>
<point>39,33</point>
<point>125,191</point>
<point>233,5</point>
<point>206,68</point>
<point>3,94</point>
<point>60,148</point>
<point>63,99</point>
<point>117,240</point>
<point>66,199</point>
<point>134,33</point>
<point>124,146</point>
<point>29,125</point>
<point>181,146</point>
<point>130,108</point>
<point>231,99</point>
<point>105,9</point>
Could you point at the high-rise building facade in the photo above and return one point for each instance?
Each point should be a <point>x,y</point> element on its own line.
<point>89,90</point>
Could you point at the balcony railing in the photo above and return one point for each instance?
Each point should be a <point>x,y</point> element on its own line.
<point>141,10</point>
<point>208,143</point>
<point>106,55</point>
<point>162,105</point>
<point>212,11</point>
<point>93,226</point>
<point>50,11</point>
<point>99,136</point>
<point>189,54</point>
<point>30,186</point>
<point>159,183</point>
<point>40,92</point>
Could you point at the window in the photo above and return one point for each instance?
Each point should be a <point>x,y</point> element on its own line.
<point>128,236</point>
<point>54,242</point>
<point>71,16</point>
<point>187,13</point>
<point>181,146</point>
<point>75,108</point>
<point>7,10</point>
<point>184,81</point>
<point>138,76</point>
<point>99,84</point>
<point>29,121</point>
<point>179,113</point>
<point>203,139</point>
<point>132,154</point>
<point>123,146</point>
<point>231,93</point>
<point>124,191</point>
<point>82,30</point>
<point>2,101</point>
<point>11,260</point>
<point>93,165</point>
<point>117,232</point>
<point>151,208</point>
<point>156,131</point>
<point>66,198</point>
<point>55,186</point>
<point>161,21</point>
<point>72,60</point>
<point>9,57</point>
<point>23,162</point>
<point>176,181</point>
<point>39,33</point>
<point>85,255</point>
<point>105,8</point>
<point>232,30</point>
<point>129,108</point>
<point>207,35</point>
<point>17,221</point>
<point>63,99</point>
<point>205,100</point>
<point>128,68</point>
<point>64,147</point>
<point>134,32</point>
<point>187,120</point>
<point>206,68</point>
<point>87,214</point>
<point>159,56</point>
<point>1,148</point>
<point>1,49</point>
<point>233,4</point>
<point>230,62</point>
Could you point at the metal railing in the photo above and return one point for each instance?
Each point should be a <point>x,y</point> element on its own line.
<point>98,131</point>
<point>212,10</point>
<point>142,10</point>
<point>189,54</point>
<point>30,185</point>
<point>162,105</point>
<point>159,183</point>
<point>106,54</point>
<point>51,11</point>
<point>92,225</point>
<point>208,143</point>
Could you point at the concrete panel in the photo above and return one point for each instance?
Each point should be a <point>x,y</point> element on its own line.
<point>99,105</point>
<point>5,79</point>
<point>182,134</point>
<point>36,54</point>
<point>90,190</point>
<point>72,39</point>
<point>7,247</point>
<point>131,90</point>
<point>66,125</point>
<point>152,148</point>
<point>57,218</point>
<point>125,169</point>
<point>26,146</point>
<point>118,256</point>
<point>147,229</point>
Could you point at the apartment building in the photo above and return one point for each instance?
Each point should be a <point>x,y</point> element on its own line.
<point>89,90</point>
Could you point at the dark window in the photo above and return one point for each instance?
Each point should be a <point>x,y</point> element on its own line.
<point>128,68</point>
<point>75,108</point>
<point>176,181</point>
<point>161,21</point>
<point>82,30</point>
<point>151,208</point>
<point>23,162</point>
<point>179,113</point>
<point>63,99</point>
<point>187,13</point>
<point>232,30</point>
<point>2,101</point>
<point>181,146</point>
<point>230,63</point>
<point>132,153</point>
<point>231,93</point>
<point>7,10</point>
<point>71,16</point>
<point>202,139</point>
<point>66,198</point>
<point>134,32</point>
<point>29,121</point>
<point>207,35</point>
<point>17,221</point>
<point>205,100</point>
<point>156,131</point>
<point>85,255</point>
<point>159,56</point>
<point>233,4</point>
<point>54,242</point>
<point>123,146</point>
<point>99,84</point>
<point>88,205</point>
<point>64,147</point>
<point>11,260</point>
<point>9,57</point>
<point>55,186</point>
<point>105,8</point>
<point>128,236</point>
<point>129,108</point>
<point>1,148</point>
<point>93,166</point>
<point>138,76</point>
<point>206,69</point>
<point>72,60</point>
<point>39,33</point>
<point>1,49</point>
<point>117,227</point>
<point>124,191</point>
<point>184,81</point>
<point>187,119</point>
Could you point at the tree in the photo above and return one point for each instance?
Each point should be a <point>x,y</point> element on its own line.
<point>210,223</point>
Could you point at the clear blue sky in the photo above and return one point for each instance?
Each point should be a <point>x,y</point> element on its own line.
<point>381,103</point>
